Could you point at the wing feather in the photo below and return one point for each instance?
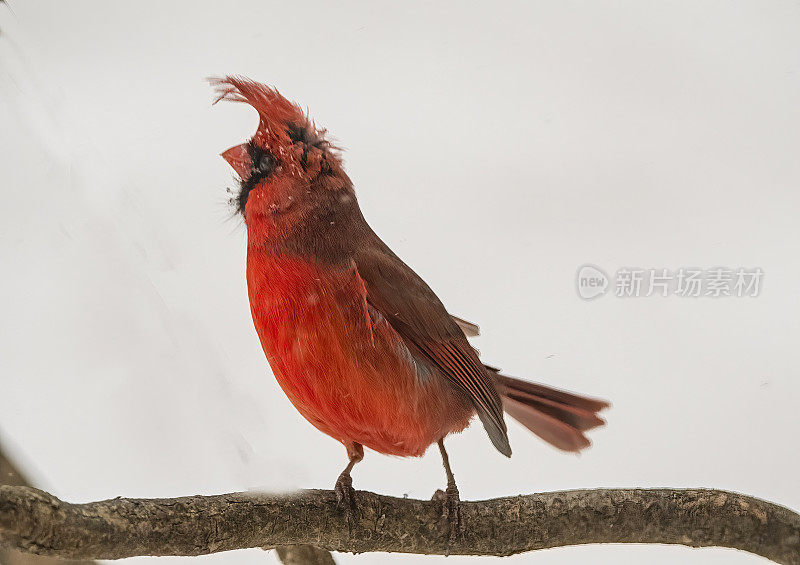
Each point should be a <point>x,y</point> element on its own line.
<point>420,318</point>
<point>469,329</point>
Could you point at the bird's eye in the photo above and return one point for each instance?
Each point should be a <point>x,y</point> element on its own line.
<point>264,164</point>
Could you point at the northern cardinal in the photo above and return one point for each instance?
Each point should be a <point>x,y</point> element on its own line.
<point>359,343</point>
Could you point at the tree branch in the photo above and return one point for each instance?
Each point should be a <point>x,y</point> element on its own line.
<point>37,522</point>
<point>11,475</point>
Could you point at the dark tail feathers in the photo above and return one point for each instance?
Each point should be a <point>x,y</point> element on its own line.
<point>558,417</point>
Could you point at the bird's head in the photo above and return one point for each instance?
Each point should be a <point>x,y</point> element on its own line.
<point>288,167</point>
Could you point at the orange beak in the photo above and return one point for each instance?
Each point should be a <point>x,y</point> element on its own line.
<point>238,157</point>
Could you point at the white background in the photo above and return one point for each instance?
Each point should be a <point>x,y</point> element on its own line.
<point>496,148</point>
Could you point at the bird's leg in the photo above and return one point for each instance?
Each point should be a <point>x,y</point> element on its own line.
<point>345,495</point>
<point>452,500</point>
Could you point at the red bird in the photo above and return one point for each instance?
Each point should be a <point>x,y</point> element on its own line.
<point>359,343</point>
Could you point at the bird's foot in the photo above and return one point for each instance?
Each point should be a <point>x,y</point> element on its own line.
<point>346,497</point>
<point>451,511</point>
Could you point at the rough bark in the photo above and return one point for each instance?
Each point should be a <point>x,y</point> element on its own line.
<point>11,475</point>
<point>37,522</point>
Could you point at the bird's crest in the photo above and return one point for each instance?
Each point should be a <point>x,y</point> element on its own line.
<point>278,115</point>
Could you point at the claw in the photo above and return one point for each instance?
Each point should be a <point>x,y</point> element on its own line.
<point>452,506</point>
<point>346,498</point>
<point>451,512</point>
<point>345,495</point>
<point>451,509</point>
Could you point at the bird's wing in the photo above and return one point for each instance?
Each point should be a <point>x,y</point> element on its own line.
<point>469,329</point>
<point>420,318</point>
